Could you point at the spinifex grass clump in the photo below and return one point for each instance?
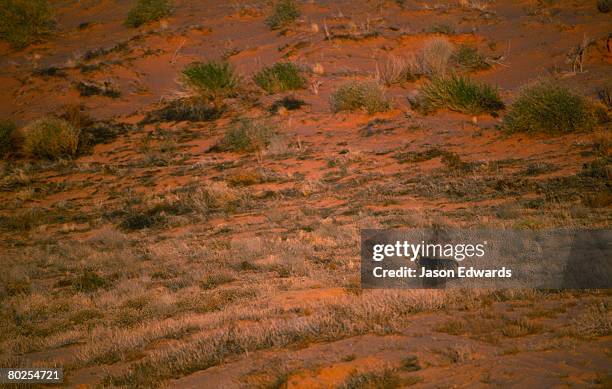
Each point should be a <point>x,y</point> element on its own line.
<point>51,138</point>
<point>247,135</point>
<point>459,93</point>
<point>548,107</point>
<point>25,21</point>
<point>469,58</point>
<point>366,95</point>
<point>147,11</point>
<point>212,81</point>
<point>282,76</point>
<point>285,12</point>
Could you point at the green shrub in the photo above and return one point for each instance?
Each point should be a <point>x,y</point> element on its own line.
<point>469,58</point>
<point>147,11</point>
<point>548,107</point>
<point>7,137</point>
<point>459,93</point>
<point>247,135</point>
<point>604,5</point>
<point>23,22</point>
<point>50,138</point>
<point>212,81</point>
<point>369,96</point>
<point>285,12</point>
<point>280,77</point>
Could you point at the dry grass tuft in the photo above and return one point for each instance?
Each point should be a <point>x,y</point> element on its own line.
<point>50,138</point>
<point>436,56</point>
<point>397,70</point>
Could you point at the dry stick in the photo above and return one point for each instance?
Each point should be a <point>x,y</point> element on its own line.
<point>326,30</point>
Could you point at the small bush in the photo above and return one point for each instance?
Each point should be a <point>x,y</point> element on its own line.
<point>23,22</point>
<point>212,81</point>
<point>604,5</point>
<point>436,56</point>
<point>468,57</point>
<point>369,96</point>
<point>147,11</point>
<point>459,93</point>
<point>547,107</point>
<point>7,137</point>
<point>285,12</point>
<point>247,135</point>
<point>51,138</point>
<point>281,76</point>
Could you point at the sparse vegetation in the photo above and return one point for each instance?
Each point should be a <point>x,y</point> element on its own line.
<point>50,138</point>
<point>411,363</point>
<point>442,28</point>
<point>360,95</point>
<point>459,93</point>
<point>212,81</point>
<point>436,56</point>
<point>107,88</point>
<point>397,70</point>
<point>7,137</point>
<point>384,379</point>
<point>285,13</point>
<point>146,11</point>
<point>247,135</point>
<point>183,109</point>
<point>547,107</point>
<point>280,77</point>
<point>23,22</point>
<point>469,58</point>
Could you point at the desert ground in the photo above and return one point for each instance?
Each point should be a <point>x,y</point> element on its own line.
<point>192,241</point>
